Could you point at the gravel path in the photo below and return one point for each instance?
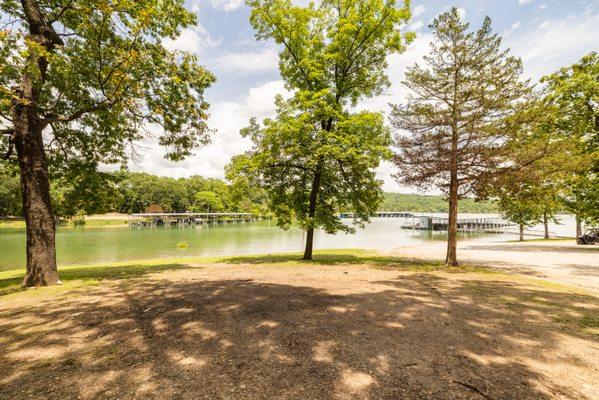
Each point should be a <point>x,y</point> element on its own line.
<point>557,261</point>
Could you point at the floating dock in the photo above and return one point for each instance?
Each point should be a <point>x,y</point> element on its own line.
<point>187,218</point>
<point>487,225</point>
<point>382,214</point>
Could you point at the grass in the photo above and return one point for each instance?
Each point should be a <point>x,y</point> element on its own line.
<point>20,224</point>
<point>74,277</point>
<point>353,257</point>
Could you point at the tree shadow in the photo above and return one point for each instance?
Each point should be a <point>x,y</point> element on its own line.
<point>420,337</point>
<point>375,260</point>
<point>89,274</point>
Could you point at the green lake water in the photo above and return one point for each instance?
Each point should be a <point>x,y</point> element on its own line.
<point>88,245</point>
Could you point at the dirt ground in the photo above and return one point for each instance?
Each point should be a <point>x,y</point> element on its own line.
<point>308,331</point>
<point>557,261</point>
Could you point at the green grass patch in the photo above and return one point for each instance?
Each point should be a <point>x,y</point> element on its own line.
<point>93,223</point>
<point>12,224</point>
<point>79,276</point>
<point>103,222</point>
<point>353,257</point>
<point>586,323</point>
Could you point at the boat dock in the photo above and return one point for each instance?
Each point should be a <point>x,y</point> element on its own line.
<point>382,214</point>
<point>187,218</point>
<point>487,225</point>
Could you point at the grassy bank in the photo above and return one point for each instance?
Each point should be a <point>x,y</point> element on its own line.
<point>20,224</point>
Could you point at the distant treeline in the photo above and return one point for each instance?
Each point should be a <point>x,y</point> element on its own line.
<point>422,203</point>
<point>129,192</point>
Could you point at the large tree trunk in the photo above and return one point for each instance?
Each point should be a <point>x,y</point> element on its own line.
<point>521,237</point>
<point>35,189</point>
<point>578,227</point>
<point>312,212</point>
<point>28,140</point>
<point>546,224</point>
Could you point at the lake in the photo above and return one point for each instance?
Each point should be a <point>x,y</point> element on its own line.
<point>91,245</point>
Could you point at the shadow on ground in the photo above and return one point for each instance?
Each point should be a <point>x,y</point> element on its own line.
<point>91,274</point>
<point>422,337</point>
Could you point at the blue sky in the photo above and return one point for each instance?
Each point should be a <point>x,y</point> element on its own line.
<point>546,34</point>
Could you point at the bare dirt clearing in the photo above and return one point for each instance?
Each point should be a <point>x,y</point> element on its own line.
<point>265,328</point>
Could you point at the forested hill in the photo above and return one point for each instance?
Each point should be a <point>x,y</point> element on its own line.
<point>422,203</point>
<point>128,192</point>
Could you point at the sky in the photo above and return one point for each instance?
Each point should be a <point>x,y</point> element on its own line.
<point>546,34</point>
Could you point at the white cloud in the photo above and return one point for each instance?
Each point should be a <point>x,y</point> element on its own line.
<point>418,10</point>
<point>416,25</point>
<point>523,2</point>
<point>542,7</point>
<point>227,118</point>
<point>193,40</point>
<point>226,5</point>
<point>545,45</point>
<point>241,63</point>
<point>554,44</point>
<point>514,26</point>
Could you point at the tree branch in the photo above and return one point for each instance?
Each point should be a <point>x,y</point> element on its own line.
<point>104,105</point>
<point>285,165</point>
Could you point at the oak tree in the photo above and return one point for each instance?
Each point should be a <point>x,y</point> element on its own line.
<point>521,203</point>
<point>574,92</point>
<point>79,81</point>
<point>316,157</point>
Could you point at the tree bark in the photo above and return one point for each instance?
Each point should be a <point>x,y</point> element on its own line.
<point>578,227</point>
<point>521,238</point>
<point>29,143</point>
<point>35,190</point>
<point>546,224</point>
<point>312,212</point>
<point>451,259</point>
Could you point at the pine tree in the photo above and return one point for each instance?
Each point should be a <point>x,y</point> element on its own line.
<point>454,113</point>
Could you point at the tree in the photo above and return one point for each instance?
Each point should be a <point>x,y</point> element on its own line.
<point>207,201</point>
<point>83,194</point>
<point>580,195</point>
<point>81,79</point>
<point>316,158</point>
<point>574,92</point>
<point>140,190</point>
<point>521,203</point>
<point>454,113</point>
<point>10,194</point>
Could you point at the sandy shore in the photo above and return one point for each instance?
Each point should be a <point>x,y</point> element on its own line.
<point>557,261</point>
